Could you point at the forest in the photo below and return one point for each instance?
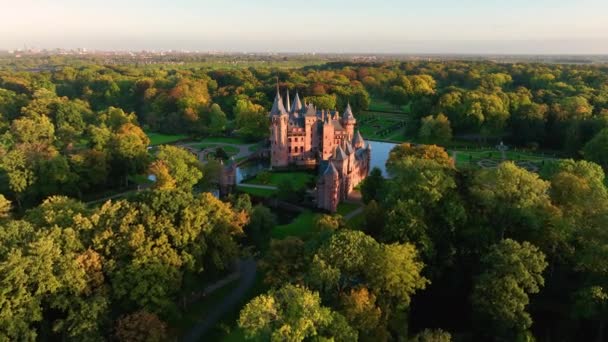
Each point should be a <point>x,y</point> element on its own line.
<point>439,253</point>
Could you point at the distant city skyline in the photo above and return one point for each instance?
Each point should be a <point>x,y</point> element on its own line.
<point>338,26</point>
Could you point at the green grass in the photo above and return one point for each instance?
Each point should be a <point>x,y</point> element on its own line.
<point>254,148</point>
<point>299,227</point>
<point>159,138</point>
<point>385,106</point>
<point>357,221</point>
<point>346,208</point>
<point>225,140</point>
<point>298,178</point>
<point>263,193</point>
<point>202,146</point>
<point>231,150</point>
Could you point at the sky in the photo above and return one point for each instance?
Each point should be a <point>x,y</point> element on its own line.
<point>340,26</point>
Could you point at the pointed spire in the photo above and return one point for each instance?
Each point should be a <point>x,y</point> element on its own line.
<point>348,148</point>
<point>331,170</point>
<point>288,106</point>
<point>348,113</point>
<point>339,154</point>
<point>358,141</point>
<point>297,104</point>
<point>277,106</point>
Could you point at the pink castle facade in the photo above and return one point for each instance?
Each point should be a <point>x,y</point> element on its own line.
<point>301,135</point>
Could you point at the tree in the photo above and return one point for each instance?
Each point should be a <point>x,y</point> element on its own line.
<point>512,271</point>
<point>432,335</point>
<point>128,149</point>
<point>372,187</point>
<point>164,180</point>
<point>435,129</point>
<point>251,120</point>
<point>141,326</point>
<point>596,149</point>
<point>5,207</point>
<point>182,165</point>
<point>285,262</point>
<point>510,193</point>
<point>18,170</point>
<point>261,223</point>
<point>291,313</point>
<point>217,120</point>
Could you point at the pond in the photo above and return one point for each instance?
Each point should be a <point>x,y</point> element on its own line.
<point>380,152</point>
<point>250,169</point>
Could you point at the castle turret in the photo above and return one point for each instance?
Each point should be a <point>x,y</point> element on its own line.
<point>328,189</point>
<point>358,141</point>
<point>278,132</point>
<point>296,106</point>
<point>327,139</point>
<point>348,121</point>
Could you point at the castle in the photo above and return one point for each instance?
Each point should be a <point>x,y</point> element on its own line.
<point>302,136</point>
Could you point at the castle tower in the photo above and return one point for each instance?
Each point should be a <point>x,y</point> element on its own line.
<point>278,132</point>
<point>327,140</point>
<point>328,189</point>
<point>348,122</point>
<point>358,141</point>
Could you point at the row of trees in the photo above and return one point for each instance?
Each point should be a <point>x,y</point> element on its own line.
<point>524,248</point>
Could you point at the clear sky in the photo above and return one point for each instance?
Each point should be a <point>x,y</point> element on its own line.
<point>388,26</point>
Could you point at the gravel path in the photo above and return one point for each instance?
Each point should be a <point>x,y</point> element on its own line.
<point>247,269</point>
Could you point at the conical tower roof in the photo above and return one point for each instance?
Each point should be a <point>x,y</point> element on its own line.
<point>331,170</point>
<point>297,104</point>
<point>348,148</point>
<point>339,154</point>
<point>277,106</point>
<point>348,113</point>
<point>358,140</point>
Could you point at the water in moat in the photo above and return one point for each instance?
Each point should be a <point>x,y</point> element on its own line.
<point>380,152</point>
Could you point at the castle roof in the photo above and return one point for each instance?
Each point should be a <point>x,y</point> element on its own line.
<point>297,104</point>
<point>331,171</point>
<point>348,113</point>
<point>349,148</point>
<point>337,125</point>
<point>311,110</point>
<point>339,154</point>
<point>277,106</point>
<point>358,139</point>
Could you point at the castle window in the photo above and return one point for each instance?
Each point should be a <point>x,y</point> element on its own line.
<point>288,139</point>
<point>289,149</point>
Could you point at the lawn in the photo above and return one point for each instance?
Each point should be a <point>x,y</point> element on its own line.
<point>202,146</point>
<point>385,106</point>
<point>300,226</point>
<point>159,138</point>
<point>298,178</point>
<point>346,208</point>
<point>263,193</point>
<point>226,140</point>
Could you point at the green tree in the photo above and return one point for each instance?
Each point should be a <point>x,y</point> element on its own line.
<point>291,313</point>
<point>251,120</point>
<point>372,187</point>
<point>435,129</point>
<point>596,149</point>
<point>182,165</point>
<point>512,271</point>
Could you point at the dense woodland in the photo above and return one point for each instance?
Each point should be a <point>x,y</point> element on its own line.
<point>442,253</point>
